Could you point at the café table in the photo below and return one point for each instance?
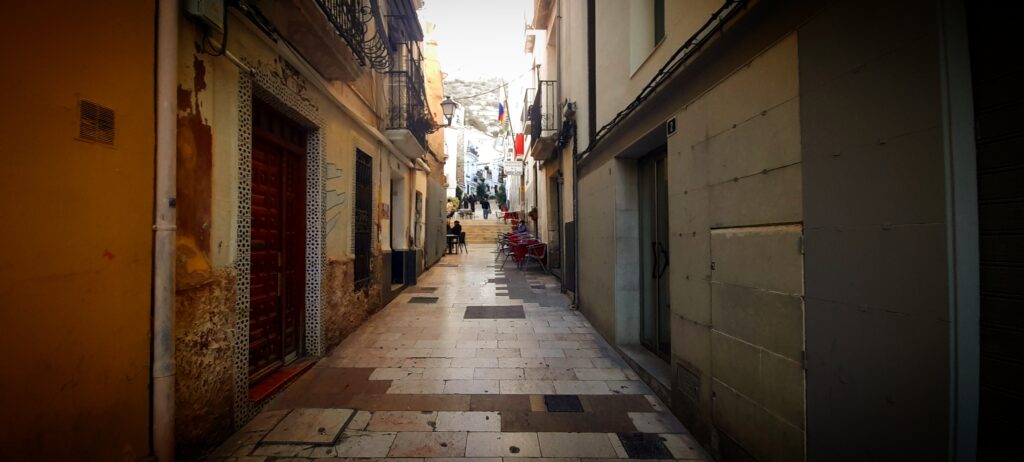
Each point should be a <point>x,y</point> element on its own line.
<point>453,240</point>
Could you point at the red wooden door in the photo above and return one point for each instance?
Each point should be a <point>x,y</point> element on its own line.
<point>278,242</point>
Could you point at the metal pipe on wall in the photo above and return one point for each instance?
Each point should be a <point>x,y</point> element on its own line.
<point>421,165</point>
<point>162,400</point>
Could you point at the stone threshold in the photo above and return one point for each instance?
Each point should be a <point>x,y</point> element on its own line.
<point>270,384</point>
<point>654,371</point>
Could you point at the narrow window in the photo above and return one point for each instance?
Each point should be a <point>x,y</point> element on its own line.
<point>659,21</point>
<point>363,219</point>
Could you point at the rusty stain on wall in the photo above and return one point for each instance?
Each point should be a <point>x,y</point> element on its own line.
<point>204,363</point>
<point>205,297</point>
<point>194,183</point>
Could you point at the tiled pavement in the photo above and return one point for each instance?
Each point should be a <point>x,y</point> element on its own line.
<point>423,380</point>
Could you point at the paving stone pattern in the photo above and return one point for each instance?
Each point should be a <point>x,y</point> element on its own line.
<point>428,381</point>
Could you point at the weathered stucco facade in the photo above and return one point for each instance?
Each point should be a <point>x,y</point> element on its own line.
<point>341,118</point>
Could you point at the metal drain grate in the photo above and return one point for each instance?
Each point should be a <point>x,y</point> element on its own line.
<point>423,300</point>
<point>494,312</point>
<point>563,403</point>
<point>644,446</point>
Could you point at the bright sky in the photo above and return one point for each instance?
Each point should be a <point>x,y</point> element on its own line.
<point>479,38</point>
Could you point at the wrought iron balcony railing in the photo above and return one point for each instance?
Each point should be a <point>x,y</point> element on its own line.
<point>406,107</point>
<point>407,98</point>
<point>544,110</point>
<point>359,24</point>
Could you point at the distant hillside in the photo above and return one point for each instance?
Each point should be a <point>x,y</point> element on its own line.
<point>481,110</point>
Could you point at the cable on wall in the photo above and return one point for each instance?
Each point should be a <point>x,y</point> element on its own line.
<point>681,56</point>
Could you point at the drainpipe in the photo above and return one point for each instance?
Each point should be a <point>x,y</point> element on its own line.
<point>421,165</point>
<point>162,402</point>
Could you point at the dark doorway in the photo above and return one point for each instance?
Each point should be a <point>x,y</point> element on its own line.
<point>555,224</point>
<point>363,219</point>
<point>998,112</point>
<point>654,289</point>
<point>278,241</point>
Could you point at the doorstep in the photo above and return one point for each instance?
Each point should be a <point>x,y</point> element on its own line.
<point>267,386</point>
<point>654,371</point>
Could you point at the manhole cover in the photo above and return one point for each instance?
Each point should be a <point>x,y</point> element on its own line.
<point>494,312</point>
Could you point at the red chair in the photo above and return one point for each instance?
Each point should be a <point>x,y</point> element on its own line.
<point>519,248</point>
<point>537,252</point>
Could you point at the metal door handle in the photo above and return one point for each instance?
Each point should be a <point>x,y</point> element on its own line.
<point>664,260</point>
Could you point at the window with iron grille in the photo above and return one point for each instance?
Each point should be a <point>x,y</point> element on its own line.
<point>363,219</point>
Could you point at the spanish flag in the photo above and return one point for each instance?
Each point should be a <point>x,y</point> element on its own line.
<point>501,112</point>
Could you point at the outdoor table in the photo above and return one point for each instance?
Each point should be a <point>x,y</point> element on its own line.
<point>452,240</point>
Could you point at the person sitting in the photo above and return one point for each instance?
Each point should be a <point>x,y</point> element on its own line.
<point>457,229</point>
<point>521,228</point>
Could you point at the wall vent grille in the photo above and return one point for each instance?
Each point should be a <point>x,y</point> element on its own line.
<point>95,123</point>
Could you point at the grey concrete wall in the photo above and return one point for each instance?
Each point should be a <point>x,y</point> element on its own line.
<point>597,249</point>
<point>874,197</point>
<point>735,223</point>
<point>808,217</point>
<point>735,217</point>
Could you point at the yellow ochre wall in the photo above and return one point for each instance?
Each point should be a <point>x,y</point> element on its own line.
<point>77,217</point>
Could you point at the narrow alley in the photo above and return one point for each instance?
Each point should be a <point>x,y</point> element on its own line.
<point>475,362</point>
<point>511,230</point>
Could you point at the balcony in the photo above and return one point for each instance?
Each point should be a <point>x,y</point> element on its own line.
<point>339,38</point>
<point>408,121</point>
<point>544,120</point>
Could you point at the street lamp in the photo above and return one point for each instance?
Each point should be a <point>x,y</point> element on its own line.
<point>448,107</point>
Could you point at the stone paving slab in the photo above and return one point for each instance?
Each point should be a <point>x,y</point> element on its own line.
<point>424,382</point>
<point>309,426</point>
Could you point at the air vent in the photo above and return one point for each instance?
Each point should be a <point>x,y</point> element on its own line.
<point>95,123</point>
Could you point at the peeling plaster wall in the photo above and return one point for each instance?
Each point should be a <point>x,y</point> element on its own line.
<point>208,218</point>
<point>204,362</point>
<point>76,268</point>
<point>346,309</point>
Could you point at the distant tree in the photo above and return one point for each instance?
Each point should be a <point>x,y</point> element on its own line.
<point>458,192</point>
<point>501,195</point>
<point>481,190</point>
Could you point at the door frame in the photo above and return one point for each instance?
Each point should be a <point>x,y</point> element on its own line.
<point>272,139</point>
<point>962,239</point>
<point>268,85</point>
<point>659,153</point>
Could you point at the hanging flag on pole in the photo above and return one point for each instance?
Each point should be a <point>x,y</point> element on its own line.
<point>501,113</point>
